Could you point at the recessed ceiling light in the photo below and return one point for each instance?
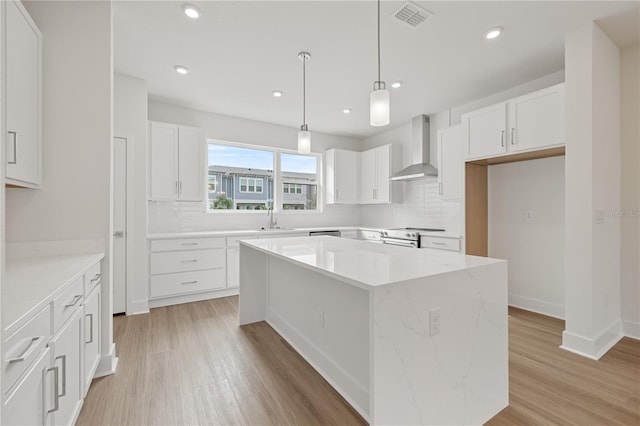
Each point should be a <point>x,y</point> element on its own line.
<point>277,93</point>
<point>181,69</point>
<point>347,111</point>
<point>191,11</point>
<point>396,84</point>
<point>493,33</point>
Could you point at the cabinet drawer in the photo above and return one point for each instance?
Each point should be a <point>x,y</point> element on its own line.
<point>185,261</point>
<point>452,244</point>
<point>235,241</point>
<point>187,282</point>
<point>92,279</point>
<point>25,345</point>
<point>66,304</point>
<point>187,244</point>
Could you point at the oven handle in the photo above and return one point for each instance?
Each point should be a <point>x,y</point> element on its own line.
<point>401,243</point>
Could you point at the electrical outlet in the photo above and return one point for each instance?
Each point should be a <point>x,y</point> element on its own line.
<point>434,321</point>
<point>528,215</point>
<point>321,319</point>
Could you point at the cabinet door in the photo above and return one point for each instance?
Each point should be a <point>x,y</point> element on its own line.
<point>163,162</point>
<point>368,176</point>
<point>30,401</point>
<point>91,338</point>
<point>191,168</point>
<point>233,267</point>
<point>450,162</point>
<point>346,177</point>
<point>536,120</point>
<point>485,131</point>
<point>66,352</point>
<point>23,96</point>
<point>383,171</point>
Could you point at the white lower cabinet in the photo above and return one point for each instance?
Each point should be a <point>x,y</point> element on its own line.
<point>92,311</point>
<point>49,376</point>
<point>184,267</point>
<point>29,402</point>
<point>66,349</point>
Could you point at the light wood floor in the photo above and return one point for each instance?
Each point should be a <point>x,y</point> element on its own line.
<point>192,364</point>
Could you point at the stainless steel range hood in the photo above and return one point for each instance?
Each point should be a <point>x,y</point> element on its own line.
<point>420,156</point>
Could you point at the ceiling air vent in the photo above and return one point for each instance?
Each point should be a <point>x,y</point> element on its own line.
<point>411,14</point>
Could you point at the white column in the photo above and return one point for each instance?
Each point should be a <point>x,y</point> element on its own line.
<point>592,70</point>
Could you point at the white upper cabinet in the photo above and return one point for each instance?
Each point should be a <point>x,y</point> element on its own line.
<point>526,123</point>
<point>375,168</point>
<point>342,169</point>
<point>23,97</point>
<point>485,131</point>
<point>450,162</point>
<point>536,120</point>
<point>177,169</point>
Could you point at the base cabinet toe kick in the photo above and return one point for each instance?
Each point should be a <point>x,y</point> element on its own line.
<point>423,349</point>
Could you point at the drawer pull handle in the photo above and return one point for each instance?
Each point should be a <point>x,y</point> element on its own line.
<point>56,404</point>
<point>190,261</point>
<point>190,282</point>
<point>64,374</point>
<point>438,244</point>
<point>189,244</point>
<point>90,316</point>
<point>33,345</point>
<point>96,278</point>
<point>74,301</point>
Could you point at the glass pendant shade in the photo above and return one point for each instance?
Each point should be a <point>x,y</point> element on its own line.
<point>304,142</point>
<point>379,112</point>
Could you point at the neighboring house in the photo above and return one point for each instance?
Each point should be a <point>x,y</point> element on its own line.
<point>252,189</point>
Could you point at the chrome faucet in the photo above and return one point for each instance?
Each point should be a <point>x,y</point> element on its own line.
<point>272,219</point>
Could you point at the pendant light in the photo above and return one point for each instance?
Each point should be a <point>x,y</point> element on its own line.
<point>379,100</point>
<point>304,135</point>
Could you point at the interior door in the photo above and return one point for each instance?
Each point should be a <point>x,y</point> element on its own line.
<point>119,188</point>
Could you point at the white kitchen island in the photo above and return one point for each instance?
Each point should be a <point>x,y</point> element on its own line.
<point>407,336</point>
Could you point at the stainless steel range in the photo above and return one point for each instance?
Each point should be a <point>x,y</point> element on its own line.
<point>406,237</point>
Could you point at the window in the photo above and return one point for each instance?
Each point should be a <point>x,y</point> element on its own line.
<point>243,177</point>
<point>299,175</point>
<point>251,185</point>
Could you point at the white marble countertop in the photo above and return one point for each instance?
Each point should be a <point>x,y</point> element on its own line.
<point>33,282</point>
<point>237,232</point>
<point>364,264</point>
<point>223,233</point>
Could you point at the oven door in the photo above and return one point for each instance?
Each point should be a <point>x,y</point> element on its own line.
<point>400,242</point>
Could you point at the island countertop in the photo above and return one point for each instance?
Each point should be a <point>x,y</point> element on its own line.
<point>364,264</point>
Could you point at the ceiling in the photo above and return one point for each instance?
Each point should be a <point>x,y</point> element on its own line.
<point>238,52</point>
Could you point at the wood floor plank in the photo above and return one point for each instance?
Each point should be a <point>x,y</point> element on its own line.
<point>192,364</point>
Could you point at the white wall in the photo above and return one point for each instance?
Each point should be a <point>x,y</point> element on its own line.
<point>73,203</point>
<point>630,220</point>
<point>130,120</point>
<point>592,184</point>
<point>533,247</point>
<point>174,217</point>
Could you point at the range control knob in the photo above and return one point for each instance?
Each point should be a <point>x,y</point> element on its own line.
<point>407,235</point>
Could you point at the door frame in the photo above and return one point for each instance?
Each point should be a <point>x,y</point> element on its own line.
<point>128,137</point>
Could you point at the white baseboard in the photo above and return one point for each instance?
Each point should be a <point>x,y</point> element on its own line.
<point>357,394</point>
<point>593,348</point>
<point>138,307</point>
<point>536,305</point>
<point>631,329</point>
<point>108,363</point>
<point>195,297</point>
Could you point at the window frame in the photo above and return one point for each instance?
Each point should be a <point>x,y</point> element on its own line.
<point>278,187</point>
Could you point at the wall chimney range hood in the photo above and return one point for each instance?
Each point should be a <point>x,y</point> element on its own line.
<point>420,152</point>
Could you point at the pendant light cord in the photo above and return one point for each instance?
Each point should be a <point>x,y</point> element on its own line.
<point>304,90</point>
<point>378,40</point>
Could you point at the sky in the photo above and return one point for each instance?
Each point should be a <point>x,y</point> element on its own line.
<point>232,156</point>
